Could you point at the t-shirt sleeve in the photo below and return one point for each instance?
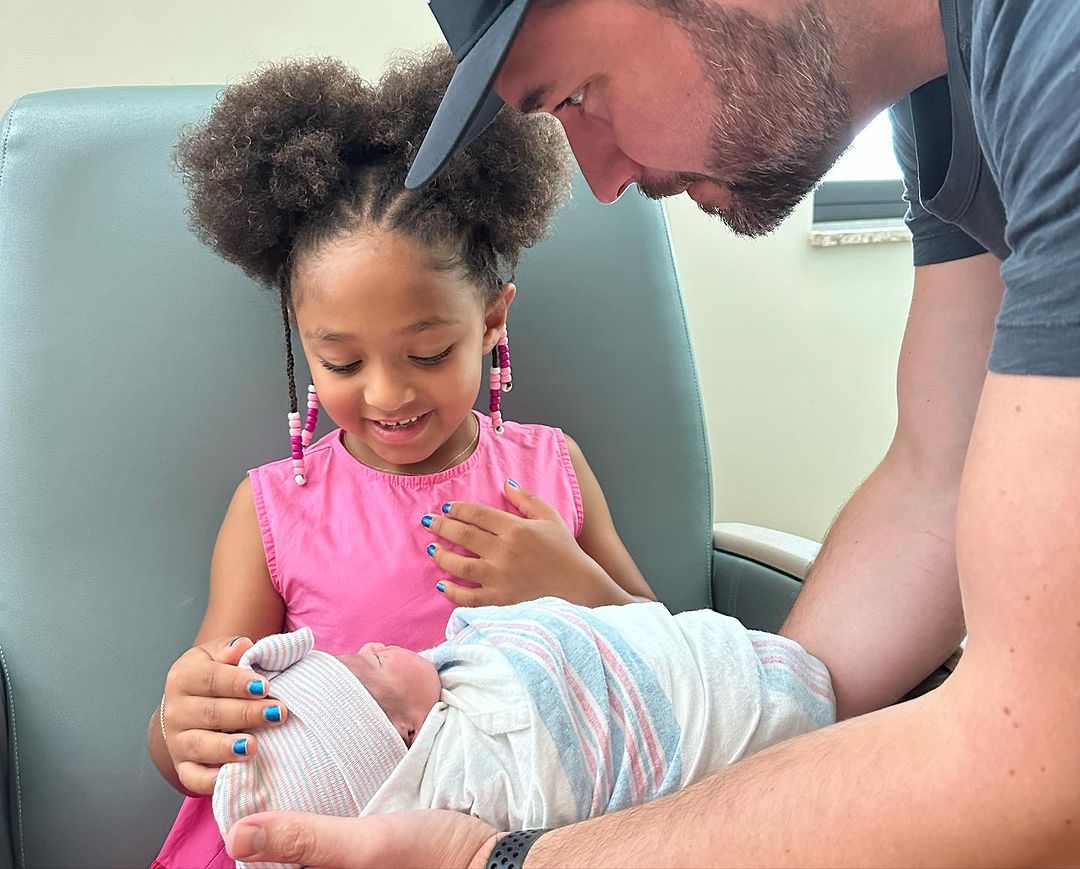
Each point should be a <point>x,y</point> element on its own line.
<point>1026,96</point>
<point>933,239</point>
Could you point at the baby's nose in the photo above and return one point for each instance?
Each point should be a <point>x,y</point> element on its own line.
<point>374,647</point>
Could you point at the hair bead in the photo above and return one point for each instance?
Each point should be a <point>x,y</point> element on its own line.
<point>300,435</point>
<point>499,380</point>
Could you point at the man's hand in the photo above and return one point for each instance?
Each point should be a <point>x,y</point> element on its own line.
<point>404,839</point>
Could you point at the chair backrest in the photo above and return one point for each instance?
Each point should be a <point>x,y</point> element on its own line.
<point>141,377</point>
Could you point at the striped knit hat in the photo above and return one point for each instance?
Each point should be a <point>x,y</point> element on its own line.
<point>333,752</point>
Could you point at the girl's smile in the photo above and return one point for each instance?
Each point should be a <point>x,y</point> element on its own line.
<point>399,431</point>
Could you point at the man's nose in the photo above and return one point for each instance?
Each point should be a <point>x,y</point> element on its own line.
<point>606,168</point>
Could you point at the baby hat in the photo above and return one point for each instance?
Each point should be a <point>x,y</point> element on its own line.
<point>335,749</point>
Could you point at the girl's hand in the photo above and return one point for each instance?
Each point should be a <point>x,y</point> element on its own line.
<point>210,704</point>
<point>518,558</point>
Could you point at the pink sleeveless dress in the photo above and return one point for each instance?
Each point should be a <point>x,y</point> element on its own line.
<point>348,554</point>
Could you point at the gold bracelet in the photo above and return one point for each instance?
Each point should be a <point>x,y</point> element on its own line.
<point>161,719</point>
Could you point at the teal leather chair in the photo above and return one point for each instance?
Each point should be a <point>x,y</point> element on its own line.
<point>141,377</point>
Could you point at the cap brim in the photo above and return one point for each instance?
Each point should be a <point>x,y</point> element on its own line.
<point>469,104</point>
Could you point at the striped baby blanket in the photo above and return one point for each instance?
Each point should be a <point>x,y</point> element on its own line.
<point>553,713</point>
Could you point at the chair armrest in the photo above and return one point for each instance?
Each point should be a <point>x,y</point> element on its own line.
<point>757,573</point>
<point>8,784</point>
<point>779,550</point>
<point>790,554</point>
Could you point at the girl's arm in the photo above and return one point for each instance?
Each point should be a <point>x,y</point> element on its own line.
<point>243,601</point>
<point>205,693</point>
<point>598,538</point>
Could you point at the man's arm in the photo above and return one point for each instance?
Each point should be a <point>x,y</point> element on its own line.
<point>981,771</point>
<point>882,607</point>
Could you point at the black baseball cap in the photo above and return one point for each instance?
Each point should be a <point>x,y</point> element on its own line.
<point>479,33</point>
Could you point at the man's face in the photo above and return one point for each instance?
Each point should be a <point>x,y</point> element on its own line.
<point>742,112</point>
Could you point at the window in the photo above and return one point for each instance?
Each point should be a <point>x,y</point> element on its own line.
<point>866,183</point>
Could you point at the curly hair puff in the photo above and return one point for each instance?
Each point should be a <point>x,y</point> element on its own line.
<point>305,151</point>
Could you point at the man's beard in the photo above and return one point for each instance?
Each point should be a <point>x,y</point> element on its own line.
<point>782,113</point>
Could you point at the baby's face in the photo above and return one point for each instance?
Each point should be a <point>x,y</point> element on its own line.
<point>404,684</point>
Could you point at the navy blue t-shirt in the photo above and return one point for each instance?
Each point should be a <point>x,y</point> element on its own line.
<point>991,161</point>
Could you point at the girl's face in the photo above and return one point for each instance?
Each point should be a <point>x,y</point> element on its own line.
<point>396,347</point>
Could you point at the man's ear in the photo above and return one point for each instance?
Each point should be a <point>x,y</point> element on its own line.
<point>495,316</point>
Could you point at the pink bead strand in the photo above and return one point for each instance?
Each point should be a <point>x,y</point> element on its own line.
<point>300,435</point>
<point>504,361</point>
<point>312,420</point>
<point>296,441</point>
<point>495,402</point>
<point>499,381</point>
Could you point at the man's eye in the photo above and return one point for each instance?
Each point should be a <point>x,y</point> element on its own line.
<point>432,360</point>
<point>341,369</point>
<point>575,99</point>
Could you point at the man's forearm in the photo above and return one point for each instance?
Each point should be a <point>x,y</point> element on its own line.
<point>924,783</point>
<point>882,604</point>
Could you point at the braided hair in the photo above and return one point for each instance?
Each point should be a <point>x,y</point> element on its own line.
<point>304,152</point>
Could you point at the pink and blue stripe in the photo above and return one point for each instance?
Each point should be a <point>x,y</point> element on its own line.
<point>603,707</point>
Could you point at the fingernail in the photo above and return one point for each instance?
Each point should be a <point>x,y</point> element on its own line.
<point>440,588</point>
<point>247,840</point>
<point>272,713</point>
<point>426,521</point>
<point>513,484</point>
<point>431,549</point>
<point>256,687</point>
<point>240,747</point>
<point>233,641</point>
<point>446,508</point>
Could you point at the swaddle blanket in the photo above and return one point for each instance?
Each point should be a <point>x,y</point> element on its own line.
<point>552,713</point>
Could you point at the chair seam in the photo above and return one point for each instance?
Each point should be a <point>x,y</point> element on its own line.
<point>702,431</point>
<point>18,831</point>
<point>7,135</point>
<point>6,673</point>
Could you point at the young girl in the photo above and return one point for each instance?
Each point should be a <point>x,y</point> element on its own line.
<point>399,299</point>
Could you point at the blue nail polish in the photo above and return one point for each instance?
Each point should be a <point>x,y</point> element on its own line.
<point>256,687</point>
<point>446,508</point>
<point>426,521</point>
<point>513,484</point>
<point>440,587</point>
<point>272,714</point>
<point>240,747</point>
<point>431,549</point>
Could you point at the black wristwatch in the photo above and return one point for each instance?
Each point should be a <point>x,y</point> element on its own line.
<point>509,852</point>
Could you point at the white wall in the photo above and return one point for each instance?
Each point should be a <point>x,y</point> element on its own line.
<point>796,346</point>
<point>47,44</point>
<point>797,349</point>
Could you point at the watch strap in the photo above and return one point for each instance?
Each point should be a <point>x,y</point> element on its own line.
<point>509,852</point>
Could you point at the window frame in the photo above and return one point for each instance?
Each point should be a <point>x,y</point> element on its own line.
<point>843,201</point>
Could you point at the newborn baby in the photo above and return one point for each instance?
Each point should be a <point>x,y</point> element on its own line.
<point>533,715</point>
